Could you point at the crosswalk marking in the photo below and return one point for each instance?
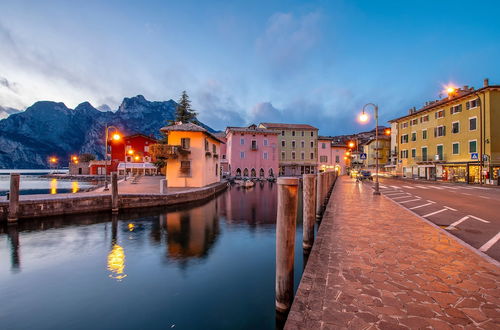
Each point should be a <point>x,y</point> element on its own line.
<point>409,187</point>
<point>456,223</point>
<point>402,197</point>
<point>419,206</point>
<point>439,188</point>
<point>395,187</point>
<point>490,243</point>
<point>411,200</point>
<point>435,212</point>
<point>422,187</point>
<point>449,208</point>
<point>477,218</point>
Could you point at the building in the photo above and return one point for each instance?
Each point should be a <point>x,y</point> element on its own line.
<point>192,155</point>
<point>446,139</point>
<point>298,148</point>
<point>79,168</point>
<point>332,155</point>
<point>370,148</point>
<point>224,163</point>
<point>252,152</point>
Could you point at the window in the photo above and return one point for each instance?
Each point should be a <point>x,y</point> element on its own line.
<point>185,143</point>
<point>439,131</point>
<point>265,155</point>
<point>312,134</point>
<point>456,109</point>
<point>242,141</point>
<point>312,155</point>
<point>472,146</point>
<point>302,133</point>
<point>293,154</point>
<point>207,145</point>
<point>265,142</point>
<point>146,148</point>
<point>472,124</point>
<point>424,119</point>
<point>293,133</point>
<point>455,127</point>
<point>404,154</point>
<point>405,124</point>
<point>214,149</point>
<point>242,154</point>
<point>293,144</point>
<point>439,151</point>
<point>283,156</point>
<point>424,154</point>
<point>424,134</point>
<point>337,158</point>
<point>283,143</point>
<point>302,144</point>
<point>413,153</point>
<point>223,156</point>
<point>471,104</point>
<point>323,145</point>
<point>312,144</point>
<point>254,145</point>
<point>282,133</point>
<point>302,155</point>
<point>404,138</point>
<point>413,136</point>
<point>216,169</point>
<point>186,167</point>
<point>414,122</point>
<point>439,114</point>
<point>323,159</point>
<point>455,148</point>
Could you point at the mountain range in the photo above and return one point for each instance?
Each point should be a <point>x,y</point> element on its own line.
<point>28,138</point>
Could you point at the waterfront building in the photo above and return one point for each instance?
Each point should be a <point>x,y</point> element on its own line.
<point>224,163</point>
<point>370,148</point>
<point>446,139</point>
<point>78,168</point>
<point>298,145</point>
<point>252,152</point>
<point>192,155</point>
<point>331,155</point>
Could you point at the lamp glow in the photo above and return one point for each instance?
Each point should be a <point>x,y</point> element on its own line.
<point>116,137</point>
<point>363,117</point>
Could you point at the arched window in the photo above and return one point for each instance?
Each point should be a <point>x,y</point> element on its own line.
<point>253,173</point>
<point>261,173</point>
<point>238,172</point>
<point>245,172</point>
<point>271,174</point>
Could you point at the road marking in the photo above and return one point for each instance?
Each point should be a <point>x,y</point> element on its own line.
<point>394,194</point>
<point>432,213</point>
<point>490,243</point>
<point>416,207</point>
<point>449,208</point>
<point>484,197</point>
<point>439,188</point>
<point>466,194</point>
<point>409,187</point>
<point>395,187</point>
<point>411,200</point>
<point>456,223</point>
<point>422,187</point>
<point>409,196</point>
<point>382,186</point>
<point>473,217</point>
<point>481,188</point>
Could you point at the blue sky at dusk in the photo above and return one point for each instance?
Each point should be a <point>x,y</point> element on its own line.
<point>314,62</point>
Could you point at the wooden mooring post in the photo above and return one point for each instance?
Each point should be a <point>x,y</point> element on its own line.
<point>285,241</point>
<point>308,209</point>
<point>13,214</point>
<point>319,198</point>
<point>114,192</point>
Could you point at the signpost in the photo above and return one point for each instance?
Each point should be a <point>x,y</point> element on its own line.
<point>474,156</point>
<point>362,156</point>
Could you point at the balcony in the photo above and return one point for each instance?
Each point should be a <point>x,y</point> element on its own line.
<point>254,148</point>
<point>169,151</point>
<point>208,153</point>
<point>429,159</point>
<point>216,155</point>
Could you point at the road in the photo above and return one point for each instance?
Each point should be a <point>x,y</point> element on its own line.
<point>470,212</point>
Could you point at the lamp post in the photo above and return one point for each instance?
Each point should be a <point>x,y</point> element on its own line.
<point>480,158</point>
<point>131,153</point>
<point>116,137</point>
<point>364,117</point>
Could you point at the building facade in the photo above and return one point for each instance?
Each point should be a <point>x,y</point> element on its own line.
<point>331,155</point>
<point>192,156</point>
<point>298,145</point>
<point>370,148</point>
<point>252,152</point>
<point>446,139</point>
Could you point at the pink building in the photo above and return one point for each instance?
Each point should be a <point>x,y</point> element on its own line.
<point>252,152</point>
<point>224,164</point>
<point>331,155</point>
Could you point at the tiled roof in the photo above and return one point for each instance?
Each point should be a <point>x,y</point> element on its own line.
<point>139,134</point>
<point>251,129</point>
<point>288,126</point>
<point>189,127</point>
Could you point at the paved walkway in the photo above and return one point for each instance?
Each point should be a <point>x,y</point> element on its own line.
<point>375,265</point>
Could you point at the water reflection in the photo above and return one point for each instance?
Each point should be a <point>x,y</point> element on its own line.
<point>15,260</point>
<point>53,186</point>
<point>74,187</point>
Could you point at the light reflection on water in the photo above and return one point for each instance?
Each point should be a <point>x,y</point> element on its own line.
<point>36,184</point>
<point>204,265</point>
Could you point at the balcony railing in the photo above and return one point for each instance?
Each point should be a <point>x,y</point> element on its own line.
<point>168,150</point>
<point>429,159</point>
<point>254,148</point>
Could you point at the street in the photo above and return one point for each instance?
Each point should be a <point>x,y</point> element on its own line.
<point>469,212</point>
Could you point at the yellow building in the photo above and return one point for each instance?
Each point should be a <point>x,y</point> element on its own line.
<point>370,149</point>
<point>447,138</point>
<point>192,156</point>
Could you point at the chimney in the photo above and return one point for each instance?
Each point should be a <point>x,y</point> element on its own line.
<point>486,82</point>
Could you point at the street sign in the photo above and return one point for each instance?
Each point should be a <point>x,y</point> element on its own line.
<point>474,156</point>
<point>362,156</point>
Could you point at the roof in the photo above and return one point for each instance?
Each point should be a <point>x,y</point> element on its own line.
<point>189,127</point>
<point>140,134</point>
<point>380,137</point>
<point>288,126</point>
<point>444,101</point>
<point>251,129</point>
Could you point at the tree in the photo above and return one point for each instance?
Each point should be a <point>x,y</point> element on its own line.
<point>183,112</point>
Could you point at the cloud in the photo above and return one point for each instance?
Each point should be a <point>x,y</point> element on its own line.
<point>288,40</point>
<point>12,86</point>
<point>265,112</point>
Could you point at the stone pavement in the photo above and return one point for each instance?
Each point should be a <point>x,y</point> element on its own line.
<point>375,265</point>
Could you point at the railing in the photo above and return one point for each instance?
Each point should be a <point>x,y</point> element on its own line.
<point>430,159</point>
<point>254,147</point>
<point>168,150</point>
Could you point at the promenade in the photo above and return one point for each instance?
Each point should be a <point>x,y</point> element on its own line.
<point>376,265</point>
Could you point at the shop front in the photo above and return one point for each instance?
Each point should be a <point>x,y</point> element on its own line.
<point>455,173</point>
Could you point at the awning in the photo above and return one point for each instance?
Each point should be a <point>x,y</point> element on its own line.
<point>136,165</point>
<point>422,166</point>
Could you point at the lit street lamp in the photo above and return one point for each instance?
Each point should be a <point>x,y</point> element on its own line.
<point>115,137</point>
<point>363,117</point>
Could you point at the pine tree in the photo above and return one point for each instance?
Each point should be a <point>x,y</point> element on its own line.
<point>184,113</point>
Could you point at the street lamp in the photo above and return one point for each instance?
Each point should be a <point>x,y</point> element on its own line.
<point>115,137</point>
<point>363,117</point>
<point>130,152</point>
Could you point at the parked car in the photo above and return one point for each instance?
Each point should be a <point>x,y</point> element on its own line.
<point>366,175</point>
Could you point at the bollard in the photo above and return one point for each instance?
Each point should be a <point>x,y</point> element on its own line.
<point>319,198</point>
<point>114,192</point>
<point>163,186</point>
<point>14,198</point>
<point>309,209</point>
<point>285,241</point>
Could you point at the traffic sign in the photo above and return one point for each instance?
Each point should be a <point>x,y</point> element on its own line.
<point>474,156</point>
<point>362,156</point>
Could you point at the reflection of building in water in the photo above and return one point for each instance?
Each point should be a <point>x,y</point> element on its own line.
<point>254,206</point>
<point>192,233</point>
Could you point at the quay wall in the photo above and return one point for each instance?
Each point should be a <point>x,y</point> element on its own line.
<point>74,204</point>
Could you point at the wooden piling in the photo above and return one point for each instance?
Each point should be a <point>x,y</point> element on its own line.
<point>114,192</point>
<point>285,241</point>
<point>319,197</point>
<point>13,215</point>
<point>309,209</point>
<point>163,186</point>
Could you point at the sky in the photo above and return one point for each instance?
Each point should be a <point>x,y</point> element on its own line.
<point>243,62</point>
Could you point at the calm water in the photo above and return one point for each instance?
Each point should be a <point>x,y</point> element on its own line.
<point>201,266</point>
<point>32,182</point>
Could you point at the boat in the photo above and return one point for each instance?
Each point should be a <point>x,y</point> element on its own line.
<point>249,184</point>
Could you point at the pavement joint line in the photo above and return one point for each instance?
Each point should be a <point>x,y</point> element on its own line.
<point>490,243</point>
<point>453,237</point>
<point>419,206</point>
<point>477,218</point>
<point>456,223</point>
<point>433,213</point>
<point>411,200</point>
<point>449,208</point>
